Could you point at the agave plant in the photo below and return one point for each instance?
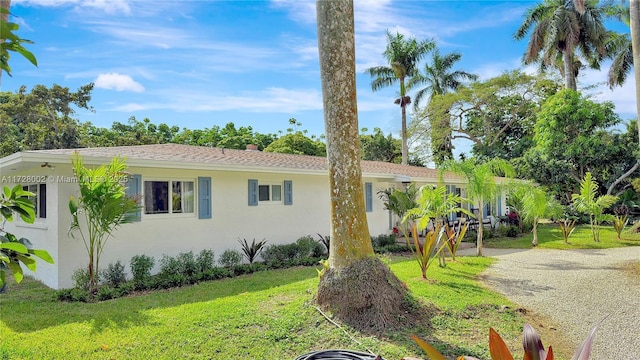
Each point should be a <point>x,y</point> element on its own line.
<point>531,342</point>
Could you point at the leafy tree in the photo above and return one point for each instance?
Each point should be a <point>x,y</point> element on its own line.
<point>440,79</point>
<point>480,183</point>
<point>378,147</point>
<point>557,29</point>
<point>101,207</point>
<point>537,204</point>
<point>14,251</point>
<point>496,115</point>
<point>403,55</point>
<point>42,118</point>
<point>589,203</point>
<point>9,41</point>
<point>297,143</point>
<point>572,138</point>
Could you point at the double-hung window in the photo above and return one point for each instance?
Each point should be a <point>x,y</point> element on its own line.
<point>39,199</point>
<point>270,192</point>
<point>169,197</point>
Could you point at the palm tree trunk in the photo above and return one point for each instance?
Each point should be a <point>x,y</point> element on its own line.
<point>535,232</point>
<point>569,76</point>
<point>350,239</point>
<point>480,228</point>
<point>634,8</point>
<point>405,147</point>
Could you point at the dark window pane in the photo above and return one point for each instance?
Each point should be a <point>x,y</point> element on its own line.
<point>263,192</point>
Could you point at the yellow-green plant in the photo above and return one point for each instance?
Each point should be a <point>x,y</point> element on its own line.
<point>101,207</point>
<point>531,342</point>
<point>454,237</point>
<point>619,222</point>
<point>566,228</point>
<point>587,202</point>
<point>427,252</point>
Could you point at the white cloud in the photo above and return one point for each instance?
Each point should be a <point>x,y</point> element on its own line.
<point>108,6</point>
<point>118,82</point>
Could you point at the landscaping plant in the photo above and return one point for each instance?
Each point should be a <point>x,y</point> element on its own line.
<point>620,219</point>
<point>427,252</point>
<point>566,227</point>
<point>531,342</point>
<point>587,202</point>
<point>252,251</point>
<point>101,207</point>
<point>16,252</point>
<point>453,238</point>
<point>230,258</point>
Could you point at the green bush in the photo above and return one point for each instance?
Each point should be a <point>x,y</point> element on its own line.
<point>383,240</point>
<point>205,261</point>
<point>107,293</point>
<point>280,254</point>
<point>512,231</point>
<point>81,279</point>
<point>114,275</point>
<point>188,265</point>
<point>309,247</point>
<point>141,266</point>
<point>395,248</point>
<point>73,295</point>
<point>230,258</point>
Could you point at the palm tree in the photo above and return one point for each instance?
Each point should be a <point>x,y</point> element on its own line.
<point>536,205</point>
<point>439,80</point>
<point>587,202</point>
<point>403,56</point>
<point>634,24</point>
<point>558,27</point>
<point>480,182</point>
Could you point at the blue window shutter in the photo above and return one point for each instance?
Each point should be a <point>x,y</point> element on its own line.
<point>288,192</point>
<point>500,205</point>
<point>253,192</point>
<point>368,196</point>
<point>204,198</point>
<point>134,190</point>
<point>454,192</point>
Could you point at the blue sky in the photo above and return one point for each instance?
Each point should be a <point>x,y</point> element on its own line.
<point>197,64</point>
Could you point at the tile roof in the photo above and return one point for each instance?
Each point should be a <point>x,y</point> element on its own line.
<point>237,158</point>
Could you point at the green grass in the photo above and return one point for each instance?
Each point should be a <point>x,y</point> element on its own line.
<point>266,315</point>
<point>550,237</point>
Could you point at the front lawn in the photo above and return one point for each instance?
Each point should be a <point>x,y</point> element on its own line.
<point>266,315</point>
<point>550,237</point>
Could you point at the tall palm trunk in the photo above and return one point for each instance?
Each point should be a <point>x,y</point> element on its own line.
<point>350,240</point>
<point>634,8</point>
<point>480,228</point>
<point>569,75</point>
<point>405,146</point>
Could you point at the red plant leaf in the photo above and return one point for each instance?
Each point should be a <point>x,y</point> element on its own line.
<point>549,353</point>
<point>532,344</point>
<point>497,348</point>
<point>584,350</point>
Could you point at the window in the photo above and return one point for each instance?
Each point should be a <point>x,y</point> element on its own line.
<point>169,197</point>
<point>266,193</point>
<point>39,200</point>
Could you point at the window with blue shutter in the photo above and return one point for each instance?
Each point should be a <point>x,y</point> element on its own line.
<point>134,190</point>
<point>253,192</point>
<point>204,198</point>
<point>368,196</point>
<point>288,192</point>
<point>500,205</point>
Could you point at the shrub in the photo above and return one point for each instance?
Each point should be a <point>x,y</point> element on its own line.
<point>141,266</point>
<point>383,240</point>
<point>205,261</point>
<point>280,254</point>
<point>114,275</point>
<point>230,258</point>
<point>187,265</point>
<point>308,247</point>
<point>252,251</point>
<point>512,231</point>
<point>73,294</point>
<point>81,279</point>
<point>170,274</point>
<point>107,293</point>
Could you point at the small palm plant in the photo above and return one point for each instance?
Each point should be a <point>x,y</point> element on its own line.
<point>588,203</point>
<point>620,219</point>
<point>251,251</point>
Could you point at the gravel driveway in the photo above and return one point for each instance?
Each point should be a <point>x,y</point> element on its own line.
<point>576,288</point>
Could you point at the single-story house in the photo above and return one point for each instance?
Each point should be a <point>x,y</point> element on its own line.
<point>196,198</point>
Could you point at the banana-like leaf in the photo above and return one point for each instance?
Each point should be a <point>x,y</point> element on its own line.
<point>28,261</point>
<point>430,350</point>
<point>42,254</point>
<point>497,348</point>
<point>16,270</point>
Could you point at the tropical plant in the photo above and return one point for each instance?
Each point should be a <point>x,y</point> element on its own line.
<point>453,237</point>
<point>480,183</point>
<point>16,252</point>
<point>619,222</point>
<point>587,202</point>
<point>141,266</point>
<point>425,252</point>
<point>619,48</point>
<point>536,204</point>
<point>557,29</point>
<point>566,228</point>
<point>101,207</point>
<point>325,240</point>
<point>403,55</point>
<point>9,41</point>
<point>531,342</point>
<point>399,202</point>
<point>251,251</point>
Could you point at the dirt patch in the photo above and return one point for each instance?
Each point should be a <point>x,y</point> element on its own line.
<point>632,268</point>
